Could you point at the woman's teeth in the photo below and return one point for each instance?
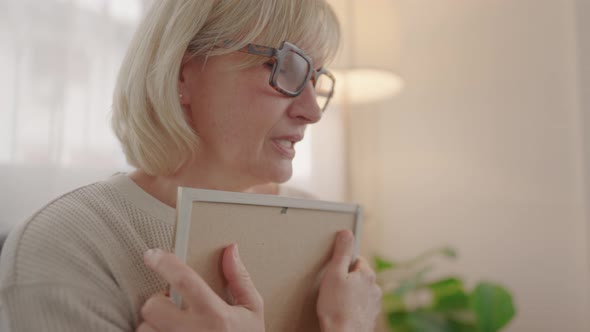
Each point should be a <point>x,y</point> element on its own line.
<point>285,143</point>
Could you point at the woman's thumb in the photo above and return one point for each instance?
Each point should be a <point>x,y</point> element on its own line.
<point>343,253</point>
<point>240,283</point>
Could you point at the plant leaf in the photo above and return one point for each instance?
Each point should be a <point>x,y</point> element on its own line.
<point>428,321</point>
<point>493,306</point>
<point>459,326</point>
<point>383,265</point>
<point>417,321</point>
<point>448,295</point>
<point>399,321</point>
<point>449,252</point>
<point>391,302</point>
<point>410,284</point>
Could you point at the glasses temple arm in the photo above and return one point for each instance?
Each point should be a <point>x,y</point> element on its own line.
<point>258,50</point>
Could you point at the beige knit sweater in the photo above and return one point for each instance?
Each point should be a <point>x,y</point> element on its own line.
<point>76,265</point>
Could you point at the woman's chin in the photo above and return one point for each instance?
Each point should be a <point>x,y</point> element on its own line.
<point>281,174</point>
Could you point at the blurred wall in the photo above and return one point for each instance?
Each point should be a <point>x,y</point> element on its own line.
<point>583,30</point>
<point>484,151</point>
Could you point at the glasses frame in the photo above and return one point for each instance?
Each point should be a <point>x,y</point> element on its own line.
<point>278,56</point>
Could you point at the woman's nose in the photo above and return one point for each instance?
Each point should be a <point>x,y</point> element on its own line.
<point>305,106</point>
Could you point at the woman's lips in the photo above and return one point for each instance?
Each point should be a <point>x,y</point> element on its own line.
<point>285,147</point>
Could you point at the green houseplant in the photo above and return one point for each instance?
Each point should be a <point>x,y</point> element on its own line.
<point>413,302</point>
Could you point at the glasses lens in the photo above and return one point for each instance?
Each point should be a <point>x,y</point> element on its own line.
<point>292,72</point>
<point>324,86</point>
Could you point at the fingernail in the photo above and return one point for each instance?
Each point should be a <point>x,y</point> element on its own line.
<point>236,253</point>
<point>152,256</point>
<point>345,237</point>
<point>238,261</point>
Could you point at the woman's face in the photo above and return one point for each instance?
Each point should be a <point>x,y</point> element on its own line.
<point>248,130</point>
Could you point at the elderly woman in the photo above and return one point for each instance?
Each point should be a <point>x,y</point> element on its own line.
<point>212,94</point>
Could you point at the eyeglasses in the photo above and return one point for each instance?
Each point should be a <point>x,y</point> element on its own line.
<point>292,69</point>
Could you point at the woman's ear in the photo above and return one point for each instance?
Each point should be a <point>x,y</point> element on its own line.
<point>184,79</point>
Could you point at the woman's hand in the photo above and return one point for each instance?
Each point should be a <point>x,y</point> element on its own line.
<point>349,299</point>
<point>205,310</point>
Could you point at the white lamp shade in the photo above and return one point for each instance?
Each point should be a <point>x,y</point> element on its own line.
<point>366,65</point>
<point>365,85</point>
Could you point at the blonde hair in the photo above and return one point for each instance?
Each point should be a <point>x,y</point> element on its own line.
<point>147,117</point>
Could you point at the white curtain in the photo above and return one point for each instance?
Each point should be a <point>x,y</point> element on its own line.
<point>58,63</point>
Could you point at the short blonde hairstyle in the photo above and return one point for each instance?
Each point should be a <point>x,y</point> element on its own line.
<point>147,117</point>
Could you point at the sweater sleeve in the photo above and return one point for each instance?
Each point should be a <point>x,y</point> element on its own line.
<point>56,307</point>
<point>77,263</point>
<point>52,278</point>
